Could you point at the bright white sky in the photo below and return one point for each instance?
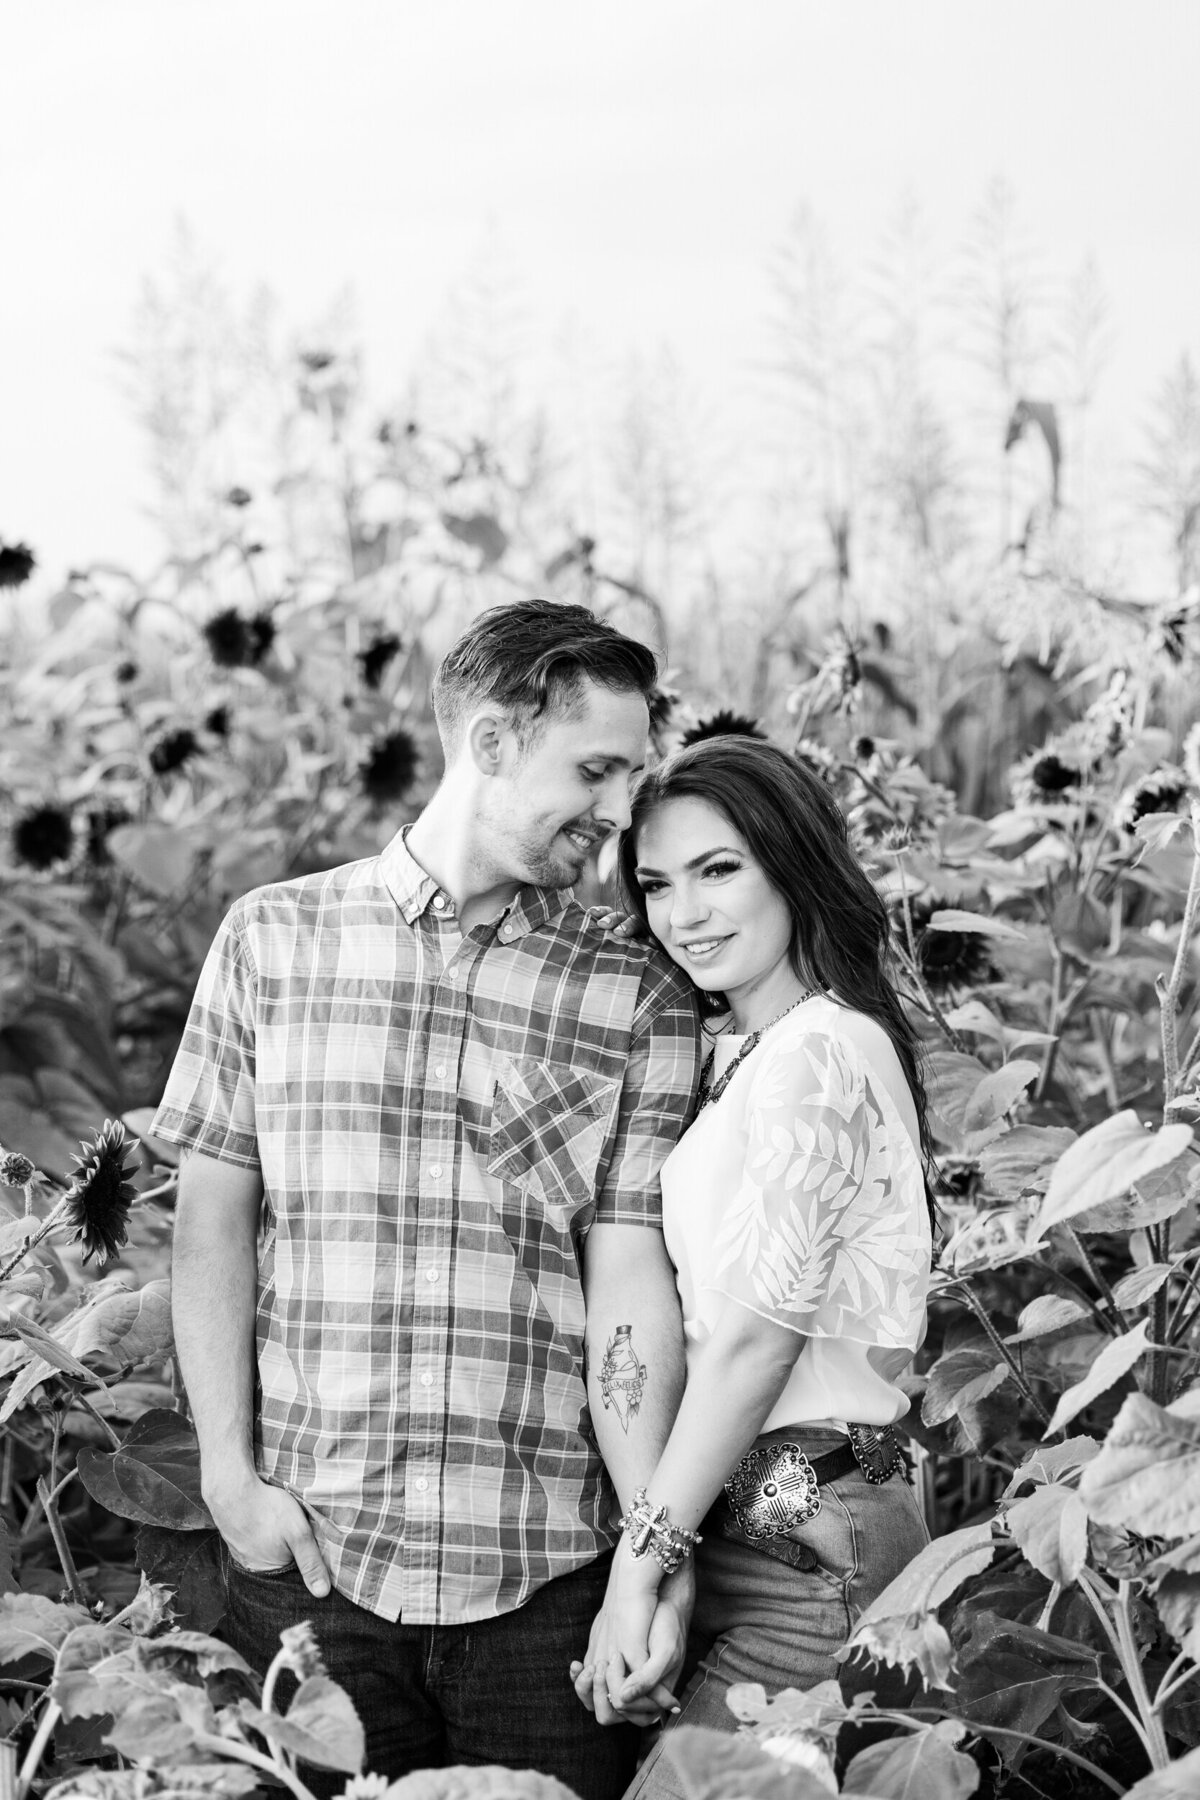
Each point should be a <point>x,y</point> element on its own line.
<point>639,158</point>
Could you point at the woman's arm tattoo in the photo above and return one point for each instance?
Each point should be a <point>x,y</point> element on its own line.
<point>622,1377</point>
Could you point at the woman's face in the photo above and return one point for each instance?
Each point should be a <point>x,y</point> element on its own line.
<point>713,910</point>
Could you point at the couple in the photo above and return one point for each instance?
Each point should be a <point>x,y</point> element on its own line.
<point>467,1220</point>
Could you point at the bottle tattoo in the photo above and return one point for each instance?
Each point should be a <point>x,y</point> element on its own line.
<point>622,1377</point>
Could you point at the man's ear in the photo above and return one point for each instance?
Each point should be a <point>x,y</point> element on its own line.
<point>488,741</point>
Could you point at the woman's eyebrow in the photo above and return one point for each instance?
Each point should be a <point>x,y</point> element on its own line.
<point>719,850</point>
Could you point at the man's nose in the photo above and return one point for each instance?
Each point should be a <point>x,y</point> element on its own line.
<point>612,809</point>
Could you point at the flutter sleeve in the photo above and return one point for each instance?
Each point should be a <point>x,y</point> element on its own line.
<point>826,1233</point>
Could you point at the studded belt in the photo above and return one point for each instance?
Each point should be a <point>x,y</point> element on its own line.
<point>776,1487</point>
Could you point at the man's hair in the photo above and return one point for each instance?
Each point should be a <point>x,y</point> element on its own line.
<point>533,659</point>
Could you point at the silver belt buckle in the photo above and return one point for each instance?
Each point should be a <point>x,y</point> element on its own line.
<point>772,1490</point>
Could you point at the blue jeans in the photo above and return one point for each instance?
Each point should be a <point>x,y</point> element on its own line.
<point>759,1619</point>
<point>495,1691</point>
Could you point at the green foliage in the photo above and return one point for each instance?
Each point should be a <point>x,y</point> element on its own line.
<point>258,708</point>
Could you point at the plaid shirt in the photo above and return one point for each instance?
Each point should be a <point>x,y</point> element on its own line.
<point>438,1120</point>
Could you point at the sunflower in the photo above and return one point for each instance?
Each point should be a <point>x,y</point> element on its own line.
<point>44,836</point>
<point>722,724</point>
<point>947,959</point>
<point>391,766</point>
<point>228,638</point>
<point>1044,778</point>
<point>172,750</point>
<point>378,654</point>
<point>17,563</point>
<point>101,1193</point>
<point>1161,791</point>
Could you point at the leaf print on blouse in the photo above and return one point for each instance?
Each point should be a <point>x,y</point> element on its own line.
<point>827,1233</point>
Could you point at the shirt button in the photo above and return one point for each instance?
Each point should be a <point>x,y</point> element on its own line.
<point>506,931</point>
<point>440,1071</point>
<point>435,1170</point>
<point>427,1380</point>
<point>439,902</point>
<point>451,973</point>
<point>420,1484</point>
<point>431,1274</point>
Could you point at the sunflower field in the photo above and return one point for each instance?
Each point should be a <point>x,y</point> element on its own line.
<point>1016,744</point>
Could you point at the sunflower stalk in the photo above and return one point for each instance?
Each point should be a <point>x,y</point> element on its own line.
<point>53,1520</point>
<point>1169,992</point>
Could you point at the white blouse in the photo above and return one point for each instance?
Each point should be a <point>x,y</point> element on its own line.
<point>800,1194</point>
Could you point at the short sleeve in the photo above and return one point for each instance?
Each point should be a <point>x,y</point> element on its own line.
<point>658,1090</point>
<point>208,1104</point>
<point>826,1233</point>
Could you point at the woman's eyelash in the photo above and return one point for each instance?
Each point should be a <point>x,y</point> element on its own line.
<point>722,868</point>
<point>649,886</point>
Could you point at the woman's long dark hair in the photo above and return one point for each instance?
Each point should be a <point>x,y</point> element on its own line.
<point>795,831</point>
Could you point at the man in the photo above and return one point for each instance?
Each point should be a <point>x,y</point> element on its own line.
<point>444,1095</point>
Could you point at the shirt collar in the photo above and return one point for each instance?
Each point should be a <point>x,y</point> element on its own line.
<point>415,891</point>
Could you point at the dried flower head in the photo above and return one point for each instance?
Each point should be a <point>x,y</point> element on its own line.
<point>44,837</point>
<point>300,1651</point>
<point>17,563</point>
<point>228,638</point>
<point>101,1194</point>
<point>315,362</point>
<point>365,1787</point>
<point>172,750</point>
<point>915,1640</point>
<point>1163,790</point>
<point>218,721</point>
<point>238,496</point>
<point>391,766</point>
<point>16,1170</point>
<point>722,724</point>
<point>126,671</point>
<point>384,647</point>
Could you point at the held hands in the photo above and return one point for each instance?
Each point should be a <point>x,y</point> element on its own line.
<point>265,1527</point>
<point>636,1648</point>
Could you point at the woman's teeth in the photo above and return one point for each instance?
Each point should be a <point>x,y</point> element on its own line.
<point>702,947</point>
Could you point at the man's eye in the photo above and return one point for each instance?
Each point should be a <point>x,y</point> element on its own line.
<point>593,774</point>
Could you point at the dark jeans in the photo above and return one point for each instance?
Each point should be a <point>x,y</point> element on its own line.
<point>496,1691</point>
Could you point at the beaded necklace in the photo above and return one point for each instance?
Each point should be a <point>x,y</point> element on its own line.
<point>710,1093</point>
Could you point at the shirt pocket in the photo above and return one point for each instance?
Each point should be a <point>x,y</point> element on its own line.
<point>550,1124</point>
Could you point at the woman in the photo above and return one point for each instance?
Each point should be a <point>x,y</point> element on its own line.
<point>795,1211</point>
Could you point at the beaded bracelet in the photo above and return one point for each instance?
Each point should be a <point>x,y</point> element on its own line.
<point>649,1529</point>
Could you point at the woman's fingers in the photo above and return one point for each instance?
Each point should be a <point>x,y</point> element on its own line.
<point>582,1675</point>
<point>659,1699</point>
